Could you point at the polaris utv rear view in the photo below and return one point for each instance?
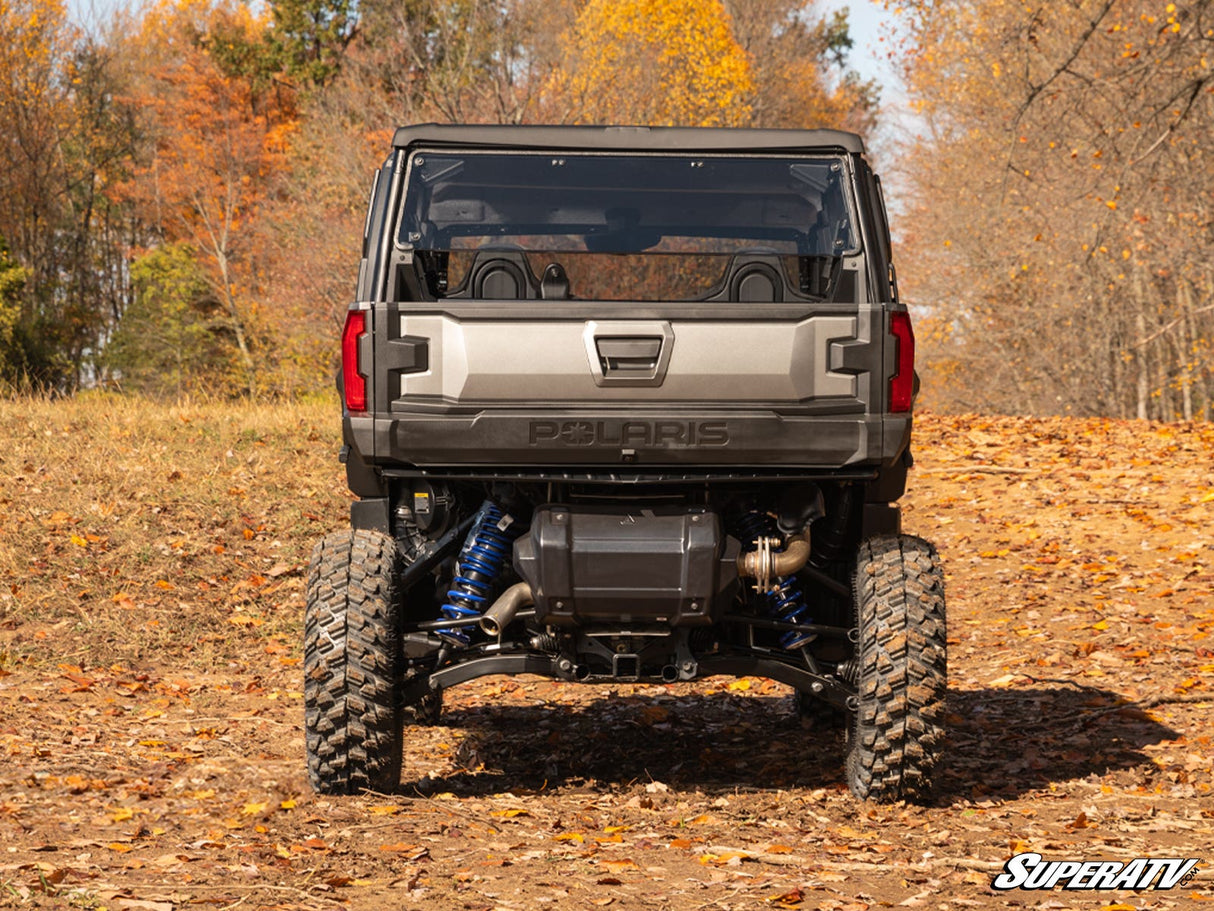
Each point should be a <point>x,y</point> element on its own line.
<point>626,404</point>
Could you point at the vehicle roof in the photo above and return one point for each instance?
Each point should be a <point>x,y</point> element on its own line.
<point>626,138</point>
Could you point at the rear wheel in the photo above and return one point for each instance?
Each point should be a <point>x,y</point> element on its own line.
<point>352,664</point>
<point>897,734</point>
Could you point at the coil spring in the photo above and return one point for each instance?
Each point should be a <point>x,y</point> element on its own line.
<point>786,601</point>
<point>755,524</point>
<point>477,569</point>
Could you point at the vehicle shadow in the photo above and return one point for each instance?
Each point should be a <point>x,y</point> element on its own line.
<point>1002,743</point>
<point>1006,742</point>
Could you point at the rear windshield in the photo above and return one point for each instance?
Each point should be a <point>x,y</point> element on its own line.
<point>626,227</point>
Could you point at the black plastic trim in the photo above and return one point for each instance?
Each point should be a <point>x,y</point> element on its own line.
<point>632,138</point>
<point>371,515</point>
<point>573,477</point>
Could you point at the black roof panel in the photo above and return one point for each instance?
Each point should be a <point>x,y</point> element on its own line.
<point>632,139</point>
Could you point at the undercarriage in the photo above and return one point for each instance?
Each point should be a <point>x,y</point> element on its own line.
<point>587,583</point>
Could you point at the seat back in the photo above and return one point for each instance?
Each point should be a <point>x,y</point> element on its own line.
<point>756,276</point>
<point>502,273</point>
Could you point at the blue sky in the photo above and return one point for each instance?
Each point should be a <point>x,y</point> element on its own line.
<point>870,24</point>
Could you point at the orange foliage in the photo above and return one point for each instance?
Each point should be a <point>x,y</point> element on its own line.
<point>219,143</point>
<point>654,62</point>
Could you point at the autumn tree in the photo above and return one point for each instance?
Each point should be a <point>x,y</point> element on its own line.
<point>653,62</point>
<point>1063,216</point>
<point>800,67</point>
<point>219,138</point>
<point>66,135</point>
<point>309,38</point>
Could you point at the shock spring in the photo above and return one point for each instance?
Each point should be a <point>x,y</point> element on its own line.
<point>477,569</point>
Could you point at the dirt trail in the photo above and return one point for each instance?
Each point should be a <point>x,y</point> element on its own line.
<point>1080,562</point>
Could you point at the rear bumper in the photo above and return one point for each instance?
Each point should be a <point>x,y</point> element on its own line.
<point>674,440</point>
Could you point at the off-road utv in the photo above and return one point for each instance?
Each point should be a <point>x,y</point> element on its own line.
<point>626,404</point>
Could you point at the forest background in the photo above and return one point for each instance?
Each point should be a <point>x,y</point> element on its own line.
<point>182,183</point>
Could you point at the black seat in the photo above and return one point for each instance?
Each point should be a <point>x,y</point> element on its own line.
<point>501,273</point>
<point>755,276</point>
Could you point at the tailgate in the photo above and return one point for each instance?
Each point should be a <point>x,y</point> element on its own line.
<point>489,385</point>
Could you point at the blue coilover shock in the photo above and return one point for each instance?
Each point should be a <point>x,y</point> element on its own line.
<point>477,569</point>
<point>786,601</point>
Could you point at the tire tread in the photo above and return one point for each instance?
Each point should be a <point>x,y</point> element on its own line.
<point>352,664</point>
<point>898,734</point>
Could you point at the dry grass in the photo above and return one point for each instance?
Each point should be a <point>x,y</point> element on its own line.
<point>138,532</point>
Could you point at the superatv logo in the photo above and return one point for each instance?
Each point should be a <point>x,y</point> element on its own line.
<point>627,434</point>
<point>1031,871</point>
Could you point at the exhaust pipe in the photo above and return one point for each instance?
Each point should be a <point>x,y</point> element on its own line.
<point>763,564</point>
<point>498,617</point>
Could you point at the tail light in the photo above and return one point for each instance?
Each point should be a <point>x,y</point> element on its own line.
<point>354,382</point>
<point>902,386</point>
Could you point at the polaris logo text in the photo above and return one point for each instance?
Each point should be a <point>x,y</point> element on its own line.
<point>629,433</point>
<point>1031,871</point>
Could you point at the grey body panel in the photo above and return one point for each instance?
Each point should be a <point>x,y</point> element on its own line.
<point>535,384</point>
<point>553,362</point>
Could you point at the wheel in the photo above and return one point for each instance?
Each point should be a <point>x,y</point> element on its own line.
<point>897,734</point>
<point>353,664</point>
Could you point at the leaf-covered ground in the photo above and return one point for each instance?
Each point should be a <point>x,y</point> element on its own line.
<point>151,574</point>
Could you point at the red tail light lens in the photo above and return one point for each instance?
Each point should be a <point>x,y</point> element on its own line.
<point>354,382</point>
<point>902,386</point>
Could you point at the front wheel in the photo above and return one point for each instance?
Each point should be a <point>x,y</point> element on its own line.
<point>897,734</point>
<point>352,664</point>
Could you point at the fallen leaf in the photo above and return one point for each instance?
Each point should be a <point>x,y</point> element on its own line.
<point>789,898</point>
<point>398,847</point>
<point>617,866</point>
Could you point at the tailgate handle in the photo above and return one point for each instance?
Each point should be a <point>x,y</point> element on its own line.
<point>621,354</point>
<point>628,352</point>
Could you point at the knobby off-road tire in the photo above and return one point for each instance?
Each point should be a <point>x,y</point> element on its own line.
<point>897,734</point>
<point>352,664</point>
